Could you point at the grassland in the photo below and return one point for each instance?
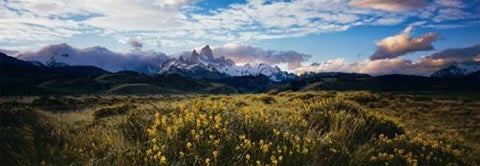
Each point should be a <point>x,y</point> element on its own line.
<point>287,128</point>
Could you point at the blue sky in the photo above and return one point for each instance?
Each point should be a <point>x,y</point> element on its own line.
<point>350,30</point>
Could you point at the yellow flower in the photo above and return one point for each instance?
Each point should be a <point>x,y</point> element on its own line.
<point>247,157</point>
<point>242,137</point>
<point>215,154</point>
<point>457,153</point>
<point>163,160</point>
<point>207,161</point>
<point>149,152</point>
<point>157,115</point>
<point>189,145</point>
<point>274,162</point>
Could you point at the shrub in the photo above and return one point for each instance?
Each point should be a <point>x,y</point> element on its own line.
<point>112,110</point>
<point>362,97</point>
<point>266,99</point>
<point>219,132</point>
<point>348,121</point>
<point>411,150</point>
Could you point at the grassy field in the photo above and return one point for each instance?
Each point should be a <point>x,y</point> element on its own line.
<point>287,128</point>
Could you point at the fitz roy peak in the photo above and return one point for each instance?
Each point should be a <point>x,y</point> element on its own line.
<point>205,65</point>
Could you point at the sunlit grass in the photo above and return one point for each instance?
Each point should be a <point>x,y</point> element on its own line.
<point>286,128</point>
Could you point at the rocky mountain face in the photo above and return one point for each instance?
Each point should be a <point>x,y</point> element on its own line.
<point>457,70</point>
<point>18,77</point>
<point>32,78</point>
<point>198,65</point>
<point>205,65</point>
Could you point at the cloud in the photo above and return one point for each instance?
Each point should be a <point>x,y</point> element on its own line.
<point>182,23</point>
<point>178,2</point>
<point>459,54</point>
<point>399,65</point>
<point>134,42</point>
<point>8,52</point>
<point>390,5</point>
<point>451,3</point>
<point>242,54</point>
<point>402,44</point>
<point>97,56</point>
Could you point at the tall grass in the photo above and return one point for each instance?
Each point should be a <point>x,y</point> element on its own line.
<point>286,128</point>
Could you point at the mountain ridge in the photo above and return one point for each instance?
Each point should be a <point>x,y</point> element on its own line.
<point>458,70</point>
<point>214,68</point>
<point>20,77</point>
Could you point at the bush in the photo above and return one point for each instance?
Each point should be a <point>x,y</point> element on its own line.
<point>220,132</point>
<point>266,99</point>
<point>411,150</point>
<point>314,128</point>
<point>362,97</point>
<point>112,110</point>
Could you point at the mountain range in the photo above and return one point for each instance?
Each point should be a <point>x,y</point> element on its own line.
<point>198,65</point>
<point>458,70</point>
<point>203,73</point>
<point>205,66</point>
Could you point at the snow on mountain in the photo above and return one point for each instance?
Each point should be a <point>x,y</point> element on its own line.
<point>140,61</point>
<point>206,61</point>
<point>457,70</point>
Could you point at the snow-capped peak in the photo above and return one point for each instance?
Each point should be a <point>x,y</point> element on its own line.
<point>457,70</point>
<point>205,60</point>
<point>206,53</point>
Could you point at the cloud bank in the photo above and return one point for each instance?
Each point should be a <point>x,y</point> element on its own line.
<point>402,44</point>
<point>399,65</point>
<point>178,23</point>
<point>390,5</point>
<point>459,55</point>
<point>97,56</point>
<point>242,54</point>
<point>149,61</point>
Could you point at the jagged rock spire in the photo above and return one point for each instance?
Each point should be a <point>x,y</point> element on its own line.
<point>207,52</point>
<point>193,57</point>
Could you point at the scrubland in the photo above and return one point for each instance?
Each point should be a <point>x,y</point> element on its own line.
<point>287,128</point>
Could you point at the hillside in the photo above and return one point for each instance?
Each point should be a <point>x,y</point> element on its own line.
<point>289,128</point>
<point>395,82</point>
<point>33,78</point>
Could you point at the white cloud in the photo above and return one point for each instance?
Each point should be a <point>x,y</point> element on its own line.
<point>446,14</point>
<point>28,26</point>
<point>178,2</point>
<point>96,56</point>
<point>242,54</point>
<point>134,42</point>
<point>459,54</point>
<point>398,65</point>
<point>451,3</point>
<point>402,44</point>
<point>390,5</point>
<point>175,21</point>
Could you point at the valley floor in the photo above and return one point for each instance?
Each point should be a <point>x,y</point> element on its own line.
<point>287,128</point>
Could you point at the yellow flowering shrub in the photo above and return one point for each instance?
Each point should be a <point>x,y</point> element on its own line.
<point>414,150</point>
<point>302,129</point>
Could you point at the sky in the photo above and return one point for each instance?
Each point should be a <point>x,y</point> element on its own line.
<point>371,36</point>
